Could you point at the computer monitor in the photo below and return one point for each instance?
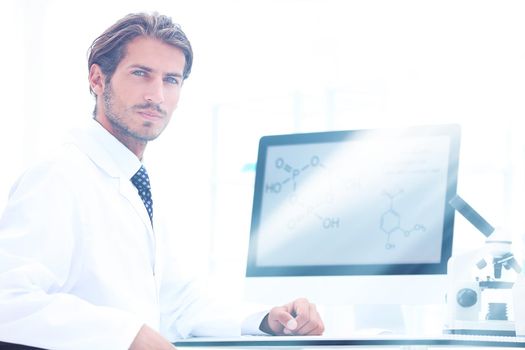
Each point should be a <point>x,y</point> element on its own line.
<point>353,217</point>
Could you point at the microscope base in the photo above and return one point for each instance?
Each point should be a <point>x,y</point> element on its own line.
<point>492,327</point>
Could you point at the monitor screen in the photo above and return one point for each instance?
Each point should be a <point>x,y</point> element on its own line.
<point>361,202</point>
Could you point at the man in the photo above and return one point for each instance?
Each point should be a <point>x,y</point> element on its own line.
<point>82,253</point>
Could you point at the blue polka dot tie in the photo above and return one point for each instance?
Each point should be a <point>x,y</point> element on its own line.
<point>141,182</point>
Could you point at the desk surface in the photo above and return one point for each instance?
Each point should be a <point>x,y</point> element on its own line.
<point>348,342</point>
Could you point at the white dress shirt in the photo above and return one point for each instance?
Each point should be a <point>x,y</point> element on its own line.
<point>81,266</point>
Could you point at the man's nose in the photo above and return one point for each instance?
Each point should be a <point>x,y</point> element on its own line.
<point>155,92</point>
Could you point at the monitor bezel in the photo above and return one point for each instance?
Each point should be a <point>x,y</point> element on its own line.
<point>452,131</point>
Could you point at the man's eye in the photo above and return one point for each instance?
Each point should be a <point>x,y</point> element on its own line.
<point>139,73</point>
<point>172,80</point>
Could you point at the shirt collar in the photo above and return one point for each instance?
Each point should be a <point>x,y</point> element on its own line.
<point>107,152</point>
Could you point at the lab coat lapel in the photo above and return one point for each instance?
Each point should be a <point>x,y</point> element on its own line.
<point>103,160</point>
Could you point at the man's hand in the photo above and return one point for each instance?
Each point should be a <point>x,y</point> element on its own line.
<point>149,339</point>
<point>299,317</point>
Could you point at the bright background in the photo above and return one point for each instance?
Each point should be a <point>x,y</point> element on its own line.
<point>282,66</point>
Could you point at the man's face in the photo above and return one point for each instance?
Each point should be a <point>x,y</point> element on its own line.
<point>143,92</point>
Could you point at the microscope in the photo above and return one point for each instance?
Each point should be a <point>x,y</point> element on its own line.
<point>480,282</point>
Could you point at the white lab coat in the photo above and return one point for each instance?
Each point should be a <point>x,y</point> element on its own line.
<point>81,266</point>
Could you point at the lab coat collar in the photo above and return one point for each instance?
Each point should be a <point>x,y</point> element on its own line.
<point>115,159</point>
<point>106,151</point>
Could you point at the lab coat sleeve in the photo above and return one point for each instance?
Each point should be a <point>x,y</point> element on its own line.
<point>250,325</point>
<point>189,309</point>
<point>40,255</point>
<point>193,306</point>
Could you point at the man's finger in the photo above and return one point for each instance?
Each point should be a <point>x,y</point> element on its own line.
<point>309,320</point>
<point>302,311</point>
<point>281,321</point>
<point>310,328</point>
<point>291,324</point>
<point>299,317</point>
<point>283,315</point>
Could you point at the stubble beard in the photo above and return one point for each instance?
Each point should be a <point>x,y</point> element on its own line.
<point>118,121</point>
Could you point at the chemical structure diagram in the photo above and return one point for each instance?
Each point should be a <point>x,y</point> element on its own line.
<point>293,173</point>
<point>391,221</point>
<point>291,179</point>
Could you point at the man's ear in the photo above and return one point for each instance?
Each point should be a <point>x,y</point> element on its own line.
<point>96,79</point>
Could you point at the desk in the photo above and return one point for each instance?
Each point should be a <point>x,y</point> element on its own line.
<point>383,341</point>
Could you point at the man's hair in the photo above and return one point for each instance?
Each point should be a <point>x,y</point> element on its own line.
<point>110,48</point>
